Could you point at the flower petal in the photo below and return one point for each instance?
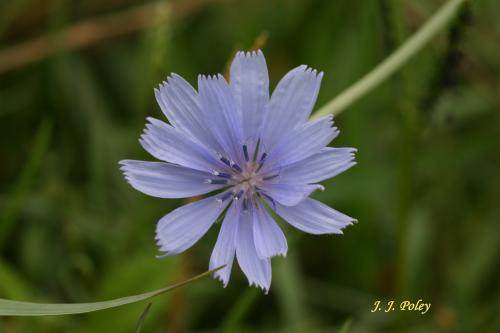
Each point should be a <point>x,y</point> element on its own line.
<point>225,247</point>
<point>289,194</point>
<point>257,271</point>
<point>181,228</point>
<point>314,217</point>
<point>181,105</point>
<point>221,113</point>
<point>268,238</point>
<point>326,164</point>
<point>169,144</point>
<point>291,103</point>
<point>250,86</point>
<point>164,180</point>
<point>304,141</point>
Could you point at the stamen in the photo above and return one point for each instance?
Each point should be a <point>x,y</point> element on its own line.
<point>238,195</point>
<point>216,181</point>
<point>226,196</point>
<point>261,162</point>
<point>230,163</point>
<point>256,152</point>
<point>245,152</point>
<point>263,158</point>
<point>270,199</point>
<point>270,177</point>
<point>236,167</point>
<point>221,174</point>
<point>225,160</point>
<point>245,205</point>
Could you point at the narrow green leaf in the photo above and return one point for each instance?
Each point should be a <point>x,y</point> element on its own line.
<point>289,293</point>
<point>346,326</point>
<point>140,323</point>
<point>394,62</point>
<point>16,308</point>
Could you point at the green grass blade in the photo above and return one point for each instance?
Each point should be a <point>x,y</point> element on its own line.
<point>394,62</point>
<point>16,308</point>
<point>346,326</point>
<point>240,310</point>
<point>142,318</point>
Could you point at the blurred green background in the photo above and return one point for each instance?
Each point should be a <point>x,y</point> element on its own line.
<point>76,83</point>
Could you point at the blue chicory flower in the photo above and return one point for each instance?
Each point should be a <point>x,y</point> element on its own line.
<point>254,150</point>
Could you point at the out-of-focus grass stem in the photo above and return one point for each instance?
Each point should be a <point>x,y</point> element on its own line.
<point>26,180</point>
<point>240,309</point>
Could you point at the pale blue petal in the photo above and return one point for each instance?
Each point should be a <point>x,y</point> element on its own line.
<point>268,237</point>
<point>164,180</point>
<point>181,105</point>
<point>291,103</point>
<point>304,141</point>
<point>289,194</point>
<point>169,144</point>
<point>250,86</point>
<point>222,113</point>
<point>225,247</point>
<point>184,226</point>
<point>326,164</point>
<point>257,271</point>
<point>314,217</point>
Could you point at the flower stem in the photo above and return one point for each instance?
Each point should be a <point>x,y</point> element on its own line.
<point>392,63</point>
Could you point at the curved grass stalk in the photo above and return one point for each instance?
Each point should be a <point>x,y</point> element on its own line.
<point>16,308</point>
<point>394,62</point>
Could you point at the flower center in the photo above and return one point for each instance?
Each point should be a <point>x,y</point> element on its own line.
<point>248,180</point>
<point>245,180</point>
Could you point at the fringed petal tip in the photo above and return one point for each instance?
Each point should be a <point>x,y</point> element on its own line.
<point>126,167</point>
<point>153,121</point>
<point>210,77</point>
<point>162,247</point>
<point>309,70</point>
<point>263,287</point>
<point>162,255</point>
<point>218,276</point>
<point>163,252</point>
<point>249,54</point>
<point>347,224</point>
<point>123,163</point>
<point>281,254</point>
<point>164,84</point>
<point>320,187</point>
<point>352,152</point>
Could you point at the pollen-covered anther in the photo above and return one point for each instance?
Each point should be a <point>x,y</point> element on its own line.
<point>245,205</point>
<point>216,181</point>
<point>225,196</point>
<point>245,152</point>
<point>270,177</point>
<point>235,166</point>
<point>261,162</point>
<point>221,174</point>
<point>238,195</point>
